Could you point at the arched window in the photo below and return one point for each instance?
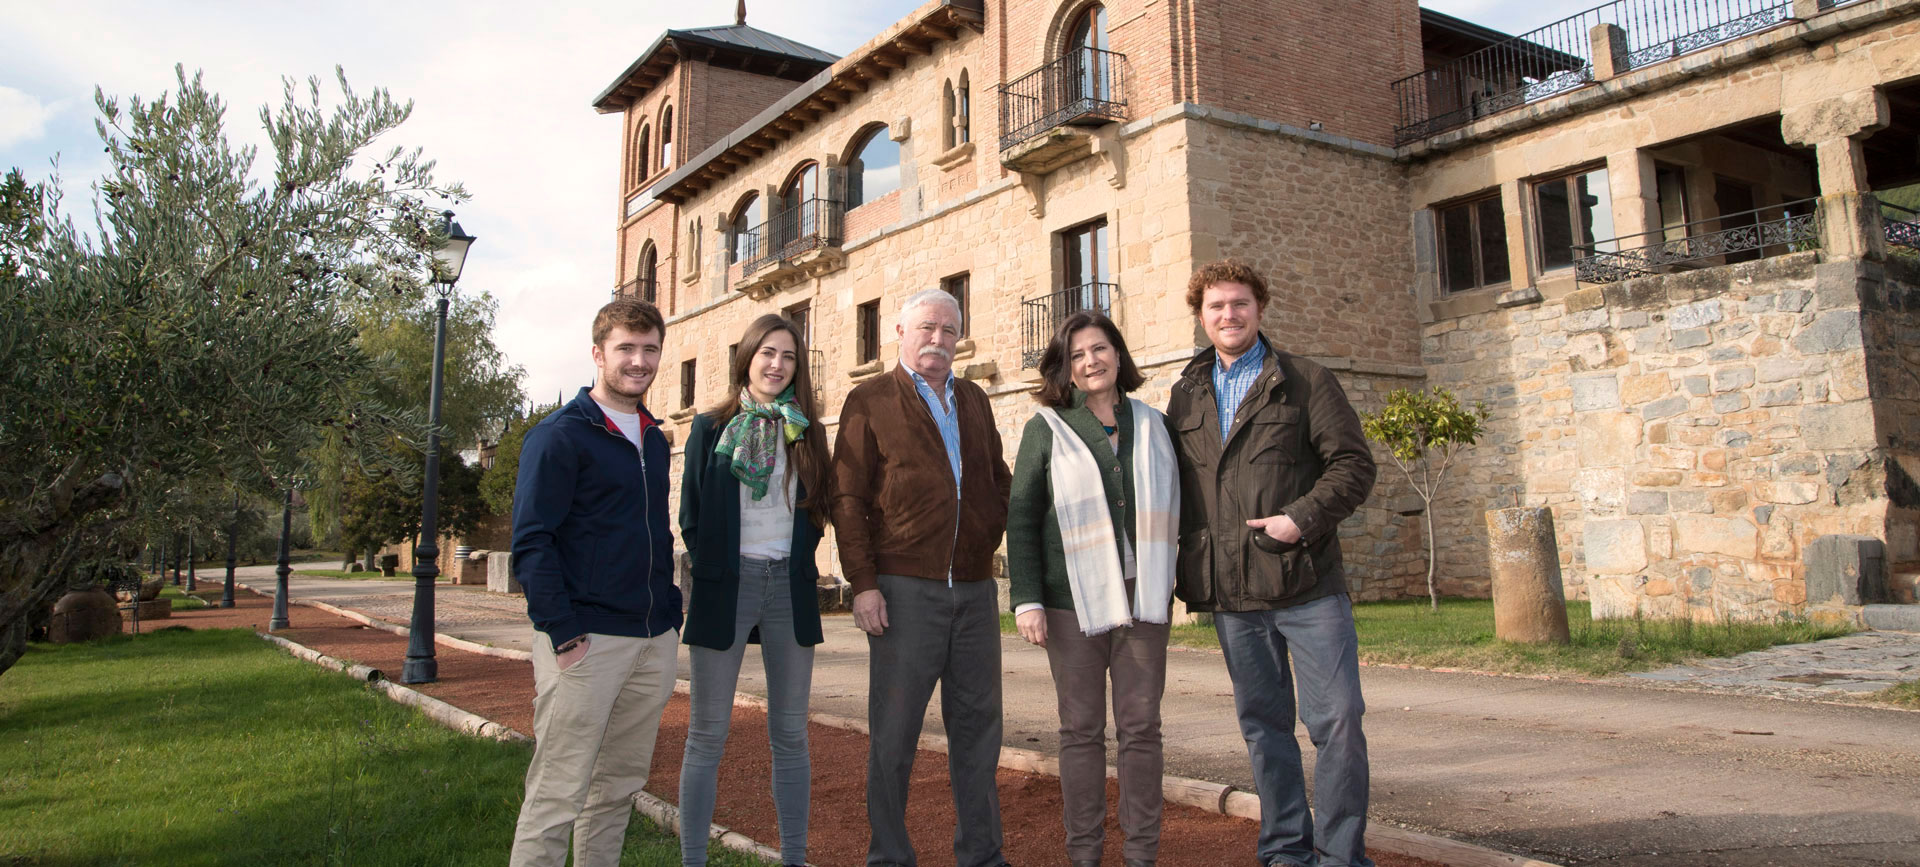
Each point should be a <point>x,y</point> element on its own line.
<point>666,136</point>
<point>1086,50</point>
<point>962,111</point>
<point>744,228</point>
<point>649,272</point>
<point>800,197</point>
<point>874,170</point>
<point>646,152</point>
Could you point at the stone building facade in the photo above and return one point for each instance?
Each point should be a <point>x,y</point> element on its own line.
<point>1694,422</point>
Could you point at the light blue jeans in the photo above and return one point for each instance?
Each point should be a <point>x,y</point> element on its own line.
<point>766,601</point>
<point>1311,648</point>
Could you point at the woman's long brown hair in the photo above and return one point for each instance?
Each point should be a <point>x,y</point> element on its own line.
<point>809,455</point>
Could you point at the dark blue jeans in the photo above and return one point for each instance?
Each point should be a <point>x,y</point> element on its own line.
<point>1311,648</point>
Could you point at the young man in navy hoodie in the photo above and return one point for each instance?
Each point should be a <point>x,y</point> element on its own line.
<point>592,548</point>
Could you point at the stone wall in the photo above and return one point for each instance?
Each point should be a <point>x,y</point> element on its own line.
<point>1692,432</point>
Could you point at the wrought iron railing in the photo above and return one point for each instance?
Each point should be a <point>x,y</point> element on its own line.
<point>808,226</point>
<point>1902,225</point>
<point>1559,57</point>
<point>1040,317</point>
<point>1083,86</point>
<point>1785,228</point>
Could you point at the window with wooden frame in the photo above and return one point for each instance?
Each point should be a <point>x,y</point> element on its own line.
<point>649,275</point>
<point>801,316</point>
<point>666,138</point>
<point>640,166</point>
<point>866,324</point>
<point>688,370</point>
<point>1473,243</point>
<point>1572,210</point>
<point>957,287</point>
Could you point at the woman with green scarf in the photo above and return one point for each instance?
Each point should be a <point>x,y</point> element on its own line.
<point>753,501</point>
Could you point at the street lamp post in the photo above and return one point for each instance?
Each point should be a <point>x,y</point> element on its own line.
<point>176,563</point>
<point>285,568</point>
<point>421,666</point>
<point>192,582</point>
<point>226,594</point>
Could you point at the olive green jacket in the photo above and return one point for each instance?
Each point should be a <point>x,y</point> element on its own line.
<point>1036,561</point>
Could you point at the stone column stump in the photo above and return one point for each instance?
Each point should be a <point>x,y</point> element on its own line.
<point>500,573</point>
<point>1529,603</point>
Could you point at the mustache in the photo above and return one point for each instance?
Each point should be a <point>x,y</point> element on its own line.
<point>937,350</point>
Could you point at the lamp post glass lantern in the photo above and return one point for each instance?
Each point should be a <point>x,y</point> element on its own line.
<point>421,666</point>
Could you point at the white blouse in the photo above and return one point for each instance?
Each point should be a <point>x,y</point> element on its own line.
<point>766,524</point>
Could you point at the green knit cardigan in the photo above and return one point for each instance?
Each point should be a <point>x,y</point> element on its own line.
<point>1036,561</point>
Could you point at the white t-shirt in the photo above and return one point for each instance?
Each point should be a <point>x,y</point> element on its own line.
<point>766,524</point>
<point>629,424</point>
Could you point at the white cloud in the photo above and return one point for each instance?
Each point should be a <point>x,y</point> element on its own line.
<point>23,117</point>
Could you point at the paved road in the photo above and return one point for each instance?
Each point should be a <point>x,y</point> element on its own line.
<point>1616,773</point>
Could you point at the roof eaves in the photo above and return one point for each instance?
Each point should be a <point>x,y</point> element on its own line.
<point>812,86</point>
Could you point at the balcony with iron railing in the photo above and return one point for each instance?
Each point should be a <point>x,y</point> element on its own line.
<point>1041,317</point>
<point>1560,57</point>
<point>1044,115</point>
<point>1790,227</point>
<point>799,242</point>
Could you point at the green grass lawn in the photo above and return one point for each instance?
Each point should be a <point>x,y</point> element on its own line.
<point>192,748</point>
<point>1460,635</point>
<point>183,601</point>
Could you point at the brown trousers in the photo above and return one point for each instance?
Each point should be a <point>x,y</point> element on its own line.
<point>1135,657</point>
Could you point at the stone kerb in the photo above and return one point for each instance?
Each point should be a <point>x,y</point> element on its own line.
<point>1693,433</point>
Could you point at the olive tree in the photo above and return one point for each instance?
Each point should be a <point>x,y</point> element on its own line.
<point>199,328</point>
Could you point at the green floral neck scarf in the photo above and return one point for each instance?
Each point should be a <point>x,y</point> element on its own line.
<point>755,432</point>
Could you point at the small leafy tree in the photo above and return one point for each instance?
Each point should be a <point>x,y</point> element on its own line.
<point>1424,431</point>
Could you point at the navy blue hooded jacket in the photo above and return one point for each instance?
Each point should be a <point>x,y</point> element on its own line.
<point>590,538</point>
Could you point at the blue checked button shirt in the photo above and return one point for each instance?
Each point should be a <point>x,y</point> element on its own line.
<point>947,419</point>
<point>1230,386</point>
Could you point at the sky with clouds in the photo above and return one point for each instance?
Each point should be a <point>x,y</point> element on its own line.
<point>501,99</point>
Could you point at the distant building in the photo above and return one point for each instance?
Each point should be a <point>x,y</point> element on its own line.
<point>1649,242</point>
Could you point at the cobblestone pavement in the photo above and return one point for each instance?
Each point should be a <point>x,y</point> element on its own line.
<point>1857,664</point>
<point>452,606</point>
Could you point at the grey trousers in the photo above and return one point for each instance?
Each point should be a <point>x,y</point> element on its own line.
<point>1135,657</point>
<point>949,635</point>
<point>1271,654</point>
<point>765,601</point>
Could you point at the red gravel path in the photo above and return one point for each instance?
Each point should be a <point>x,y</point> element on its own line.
<point>502,690</point>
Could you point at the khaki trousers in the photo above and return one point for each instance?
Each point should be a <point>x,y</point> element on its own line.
<point>594,726</point>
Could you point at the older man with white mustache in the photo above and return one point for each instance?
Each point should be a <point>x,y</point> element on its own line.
<point>917,468</point>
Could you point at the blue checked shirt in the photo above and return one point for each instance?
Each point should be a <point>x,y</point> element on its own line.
<point>947,419</point>
<point>1230,385</point>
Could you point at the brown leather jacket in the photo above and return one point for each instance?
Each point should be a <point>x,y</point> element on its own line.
<point>1295,448</point>
<point>893,505</point>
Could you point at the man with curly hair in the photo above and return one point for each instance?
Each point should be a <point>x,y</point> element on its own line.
<point>1271,460</point>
